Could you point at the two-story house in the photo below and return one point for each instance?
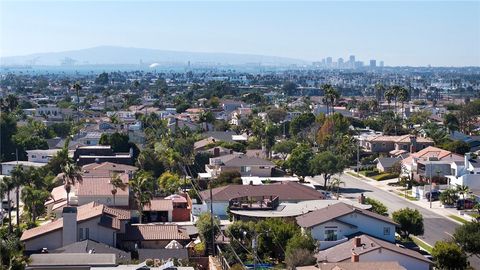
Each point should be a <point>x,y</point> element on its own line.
<point>245,165</point>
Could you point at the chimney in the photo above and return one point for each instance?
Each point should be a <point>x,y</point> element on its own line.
<point>468,156</point>
<point>216,152</point>
<point>413,144</point>
<point>361,199</point>
<point>69,232</point>
<point>355,257</point>
<point>357,242</point>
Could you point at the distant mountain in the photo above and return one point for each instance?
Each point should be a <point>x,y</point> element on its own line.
<point>111,55</point>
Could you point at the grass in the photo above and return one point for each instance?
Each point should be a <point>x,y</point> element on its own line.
<point>421,244</point>
<point>354,174</point>
<point>410,198</point>
<point>459,219</point>
<point>384,176</point>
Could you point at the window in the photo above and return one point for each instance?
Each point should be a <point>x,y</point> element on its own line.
<point>80,234</point>
<point>330,235</point>
<point>34,156</point>
<point>245,169</point>
<point>87,233</point>
<point>386,230</point>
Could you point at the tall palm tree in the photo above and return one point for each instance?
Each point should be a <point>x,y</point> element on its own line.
<point>6,186</point>
<point>335,184</point>
<point>379,91</point>
<point>19,178</point>
<point>117,183</point>
<point>71,174</point>
<point>331,95</point>
<point>389,96</point>
<point>403,96</point>
<point>106,93</point>
<point>450,121</point>
<point>142,186</point>
<point>77,87</point>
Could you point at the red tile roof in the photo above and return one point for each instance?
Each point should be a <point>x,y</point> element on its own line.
<point>145,232</point>
<point>84,213</point>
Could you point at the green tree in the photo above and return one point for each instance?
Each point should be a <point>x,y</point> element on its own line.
<point>34,201</point>
<point>142,185</point>
<point>410,221</point>
<point>468,237</point>
<point>377,206</point>
<point>301,123</point>
<point>448,196</point>
<point>227,178</point>
<point>462,190</point>
<point>326,164</point>
<point>19,178</point>
<point>117,183</point>
<point>458,147</point>
<point>102,79</point>
<point>11,256</point>
<point>289,88</point>
<point>449,256</point>
<point>335,184</point>
<point>450,121</point>
<point>276,115</point>
<point>169,182</point>
<point>301,241</point>
<point>284,148</point>
<point>205,229</point>
<point>7,185</point>
<point>8,127</point>
<point>77,87</point>
<point>299,160</point>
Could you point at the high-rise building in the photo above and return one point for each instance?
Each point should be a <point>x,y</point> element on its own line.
<point>329,62</point>
<point>340,63</point>
<point>381,64</point>
<point>351,61</point>
<point>373,63</point>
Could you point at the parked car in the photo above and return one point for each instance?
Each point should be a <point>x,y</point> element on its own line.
<point>465,204</point>
<point>435,195</point>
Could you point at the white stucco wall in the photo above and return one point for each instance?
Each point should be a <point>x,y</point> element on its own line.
<point>369,225</point>
<point>98,233</point>
<point>318,232</point>
<point>408,262</point>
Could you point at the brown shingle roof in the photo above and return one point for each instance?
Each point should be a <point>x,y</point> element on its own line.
<point>355,266</point>
<point>107,166</point>
<point>342,252</point>
<point>286,191</point>
<point>100,186</point>
<point>145,232</point>
<point>334,211</point>
<point>159,205</point>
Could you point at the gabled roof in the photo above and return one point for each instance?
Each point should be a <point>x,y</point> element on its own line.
<point>107,166</point>
<point>84,213</point>
<point>236,160</point>
<point>286,191</point>
<point>100,186</point>
<point>89,245</point>
<point>146,232</point>
<point>334,211</point>
<point>343,251</point>
<point>431,151</point>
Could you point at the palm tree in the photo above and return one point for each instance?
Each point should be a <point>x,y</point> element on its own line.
<point>71,174</point>
<point>6,186</point>
<point>34,200</point>
<point>117,183</point>
<point>462,189</point>
<point>379,91</point>
<point>77,87</point>
<point>19,178</point>
<point>389,96</point>
<point>450,121</point>
<point>207,118</point>
<point>403,96</point>
<point>142,185</point>
<point>335,184</point>
<point>106,93</point>
<point>331,95</point>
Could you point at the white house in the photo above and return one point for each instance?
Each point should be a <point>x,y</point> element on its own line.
<point>365,248</point>
<point>7,167</point>
<point>40,155</point>
<point>333,224</point>
<point>465,173</point>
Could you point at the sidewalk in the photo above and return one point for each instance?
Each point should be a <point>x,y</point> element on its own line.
<point>437,208</point>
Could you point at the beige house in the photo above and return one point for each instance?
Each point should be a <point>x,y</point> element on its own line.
<point>91,221</point>
<point>245,165</point>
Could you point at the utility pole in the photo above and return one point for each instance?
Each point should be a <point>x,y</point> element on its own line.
<point>17,193</point>
<point>254,247</point>
<point>430,184</point>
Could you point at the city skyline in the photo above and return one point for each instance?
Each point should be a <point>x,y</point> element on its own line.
<point>411,33</point>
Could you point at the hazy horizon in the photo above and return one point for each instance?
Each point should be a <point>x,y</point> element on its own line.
<point>398,33</point>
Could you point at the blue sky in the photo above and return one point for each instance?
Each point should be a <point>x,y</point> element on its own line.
<point>400,33</point>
